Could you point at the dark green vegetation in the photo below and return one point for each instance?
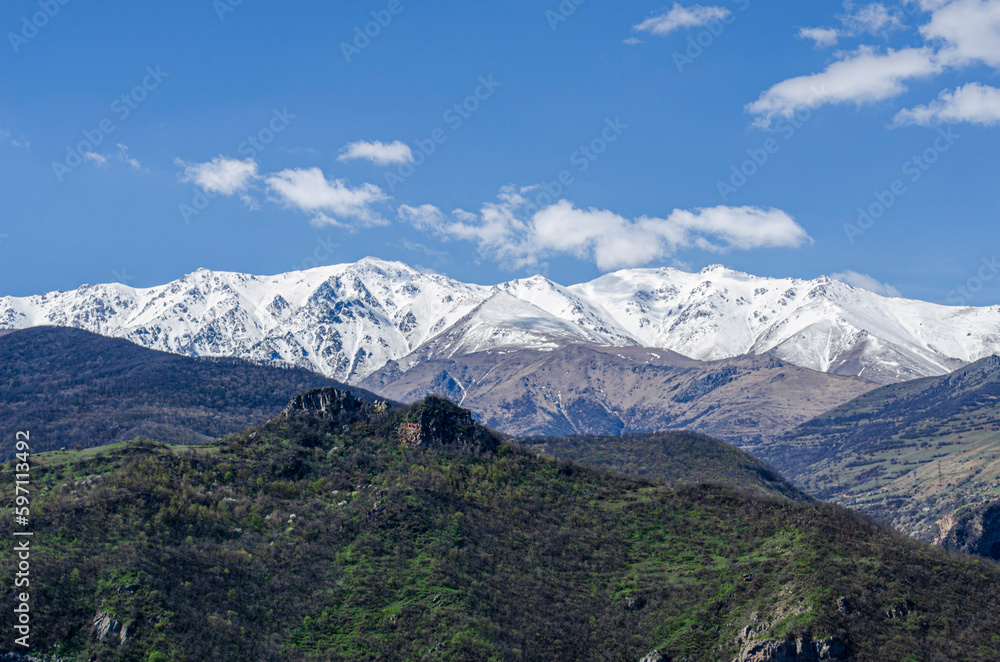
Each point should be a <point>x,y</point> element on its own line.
<point>371,533</point>
<point>911,453</point>
<point>71,387</point>
<point>685,456</point>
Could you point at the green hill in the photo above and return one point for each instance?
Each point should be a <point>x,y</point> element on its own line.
<point>915,454</point>
<point>350,530</point>
<point>670,456</point>
<point>71,387</point>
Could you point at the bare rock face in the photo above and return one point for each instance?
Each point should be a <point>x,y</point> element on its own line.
<point>432,422</point>
<point>794,650</point>
<point>438,422</point>
<point>332,404</point>
<point>973,530</point>
<point>656,656</point>
<point>106,629</point>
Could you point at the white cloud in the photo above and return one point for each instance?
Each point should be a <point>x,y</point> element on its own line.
<point>968,29</point>
<point>101,159</point>
<point>416,247</point>
<point>329,201</point>
<point>974,103</point>
<point>873,18</point>
<point>862,76</point>
<point>958,33</point>
<point>681,17</point>
<point>424,217</point>
<point>632,41</point>
<point>221,175</point>
<point>517,234</point>
<point>822,36</point>
<point>377,152</point>
<point>16,142</point>
<point>866,282</point>
<point>124,157</point>
<point>870,19</point>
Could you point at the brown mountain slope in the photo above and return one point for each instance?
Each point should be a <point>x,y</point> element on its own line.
<point>587,389</point>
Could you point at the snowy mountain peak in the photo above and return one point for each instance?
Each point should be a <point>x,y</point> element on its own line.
<point>349,320</point>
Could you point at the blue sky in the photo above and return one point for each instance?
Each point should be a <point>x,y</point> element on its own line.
<point>262,137</point>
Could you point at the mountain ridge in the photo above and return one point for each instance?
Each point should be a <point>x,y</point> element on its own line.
<point>914,454</point>
<point>590,389</point>
<point>347,321</point>
<point>71,387</point>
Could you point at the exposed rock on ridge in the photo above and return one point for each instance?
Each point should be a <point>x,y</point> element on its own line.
<point>973,530</point>
<point>333,404</point>
<point>802,649</point>
<point>432,422</point>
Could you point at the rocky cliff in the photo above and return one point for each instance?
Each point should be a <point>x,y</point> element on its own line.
<point>973,529</point>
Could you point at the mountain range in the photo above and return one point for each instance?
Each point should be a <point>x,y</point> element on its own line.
<point>921,455</point>
<point>347,321</point>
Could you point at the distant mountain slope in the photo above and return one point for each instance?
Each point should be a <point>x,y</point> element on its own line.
<point>588,389</point>
<point>910,453</point>
<point>347,321</point>
<point>684,457</point>
<point>70,387</point>
<point>343,531</point>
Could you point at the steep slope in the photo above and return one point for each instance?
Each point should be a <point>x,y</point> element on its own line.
<point>347,321</point>
<point>684,457</point>
<point>353,531</point>
<point>505,322</point>
<point>910,453</point>
<point>588,389</point>
<point>70,387</point>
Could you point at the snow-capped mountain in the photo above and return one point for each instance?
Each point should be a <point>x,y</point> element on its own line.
<point>344,321</point>
<point>347,321</point>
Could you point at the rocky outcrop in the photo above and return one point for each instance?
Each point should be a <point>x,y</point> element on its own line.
<point>635,604</point>
<point>431,422</point>
<point>439,422</point>
<point>333,404</point>
<point>106,629</point>
<point>802,649</point>
<point>656,656</point>
<point>973,530</point>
